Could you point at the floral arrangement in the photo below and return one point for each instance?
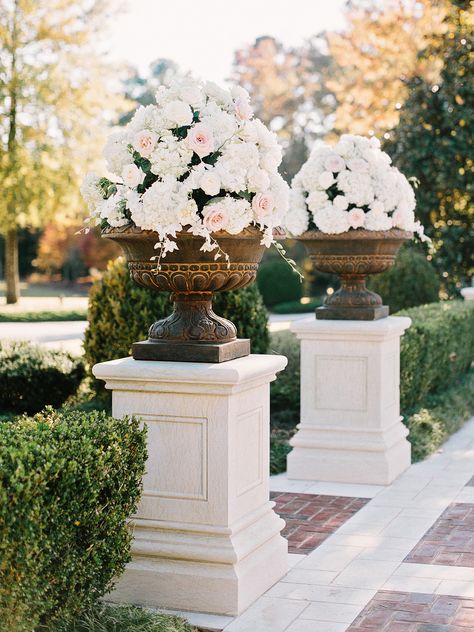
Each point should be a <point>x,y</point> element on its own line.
<point>349,186</point>
<point>197,161</point>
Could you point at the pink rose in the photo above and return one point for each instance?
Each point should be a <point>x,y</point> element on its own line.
<point>144,142</point>
<point>334,163</point>
<point>215,217</point>
<point>243,109</point>
<point>200,140</point>
<point>356,218</point>
<point>263,205</point>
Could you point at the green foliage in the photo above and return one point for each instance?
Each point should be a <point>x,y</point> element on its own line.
<point>279,449</point>
<point>433,142</point>
<point>32,377</point>
<point>285,391</point>
<point>37,317</point>
<point>436,350</point>
<point>439,416</point>
<point>412,281</point>
<point>278,283</point>
<point>121,312</point>
<point>108,618</point>
<point>68,482</point>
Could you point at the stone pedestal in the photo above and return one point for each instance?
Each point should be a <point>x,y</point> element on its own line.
<point>206,536</point>
<point>351,430</point>
<point>468,293</point>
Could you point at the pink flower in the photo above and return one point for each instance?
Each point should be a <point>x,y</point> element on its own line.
<point>200,140</point>
<point>356,218</point>
<point>243,109</point>
<point>334,163</point>
<point>215,217</point>
<point>144,142</point>
<point>263,205</point>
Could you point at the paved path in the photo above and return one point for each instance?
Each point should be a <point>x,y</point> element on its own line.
<point>67,335</point>
<point>404,562</point>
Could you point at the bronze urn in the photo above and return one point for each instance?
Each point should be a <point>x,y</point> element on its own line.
<point>352,256</point>
<point>193,332</point>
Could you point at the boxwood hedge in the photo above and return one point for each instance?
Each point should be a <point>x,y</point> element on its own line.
<point>68,482</point>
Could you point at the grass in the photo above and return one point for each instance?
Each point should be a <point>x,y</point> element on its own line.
<point>108,618</point>
<point>38,317</point>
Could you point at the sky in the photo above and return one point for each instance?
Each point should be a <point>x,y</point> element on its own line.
<point>202,35</point>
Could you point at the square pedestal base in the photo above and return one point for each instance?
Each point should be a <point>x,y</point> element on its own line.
<point>167,351</point>
<point>352,313</point>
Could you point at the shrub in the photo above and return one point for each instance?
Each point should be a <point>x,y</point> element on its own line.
<point>278,283</point>
<point>285,390</point>
<point>68,482</point>
<point>32,377</point>
<point>121,312</point>
<point>436,350</point>
<point>412,281</point>
<point>296,307</point>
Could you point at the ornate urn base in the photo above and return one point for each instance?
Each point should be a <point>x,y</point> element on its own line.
<point>193,332</point>
<point>353,256</point>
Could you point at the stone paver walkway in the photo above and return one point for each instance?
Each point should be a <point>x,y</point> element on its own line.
<point>389,567</point>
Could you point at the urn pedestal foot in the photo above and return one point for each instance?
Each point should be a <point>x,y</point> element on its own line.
<point>370,312</point>
<point>350,429</point>
<point>206,538</point>
<point>172,351</point>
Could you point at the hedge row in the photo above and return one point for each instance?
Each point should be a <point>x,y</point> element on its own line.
<point>436,350</point>
<point>68,482</point>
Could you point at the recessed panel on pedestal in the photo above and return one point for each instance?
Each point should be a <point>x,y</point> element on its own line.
<point>341,383</point>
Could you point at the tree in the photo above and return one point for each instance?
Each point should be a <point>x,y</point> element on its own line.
<point>52,99</point>
<point>374,57</point>
<point>287,92</point>
<point>433,141</point>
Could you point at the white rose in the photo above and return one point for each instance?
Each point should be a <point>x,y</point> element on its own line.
<point>326,179</point>
<point>178,112</point>
<point>334,163</point>
<point>356,218</point>
<point>340,202</point>
<point>210,183</point>
<point>263,205</point>
<point>132,176</point>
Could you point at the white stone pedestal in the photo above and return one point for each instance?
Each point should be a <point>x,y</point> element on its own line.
<point>351,430</point>
<point>468,293</point>
<point>206,536</point>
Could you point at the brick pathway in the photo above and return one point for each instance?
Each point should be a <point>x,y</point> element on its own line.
<point>450,541</point>
<point>415,612</point>
<point>311,518</point>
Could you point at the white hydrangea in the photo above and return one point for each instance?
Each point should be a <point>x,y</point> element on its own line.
<point>195,160</point>
<point>351,186</point>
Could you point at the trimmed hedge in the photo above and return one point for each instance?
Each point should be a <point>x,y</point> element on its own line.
<point>32,377</point>
<point>278,283</point>
<point>436,350</point>
<point>68,482</point>
<point>412,281</point>
<point>121,312</point>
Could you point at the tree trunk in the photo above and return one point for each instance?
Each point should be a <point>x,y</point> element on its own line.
<point>12,276</point>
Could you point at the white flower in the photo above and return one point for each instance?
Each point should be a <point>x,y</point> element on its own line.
<point>171,157</point>
<point>377,221</point>
<point>90,191</point>
<point>330,220</point>
<point>356,218</point>
<point>112,210</point>
<point>243,109</point>
<point>263,205</point>
<point>210,182</point>
<point>132,176</point>
<point>144,142</point>
<point>258,180</point>
<point>359,165</point>
<point>116,153</point>
<point>326,179</point>
<point>316,200</point>
<point>216,217</point>
<point>340,202</point>
<point>178,112</point>
<point>357,187</point>
<point>334,163</point>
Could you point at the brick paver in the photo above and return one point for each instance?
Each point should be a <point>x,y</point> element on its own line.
<point>450,541</point>
<point>415,612</point>
<point>311,518</point>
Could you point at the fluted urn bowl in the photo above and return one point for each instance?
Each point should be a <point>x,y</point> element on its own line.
<point>352,256</point>
<point>193,332</point>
